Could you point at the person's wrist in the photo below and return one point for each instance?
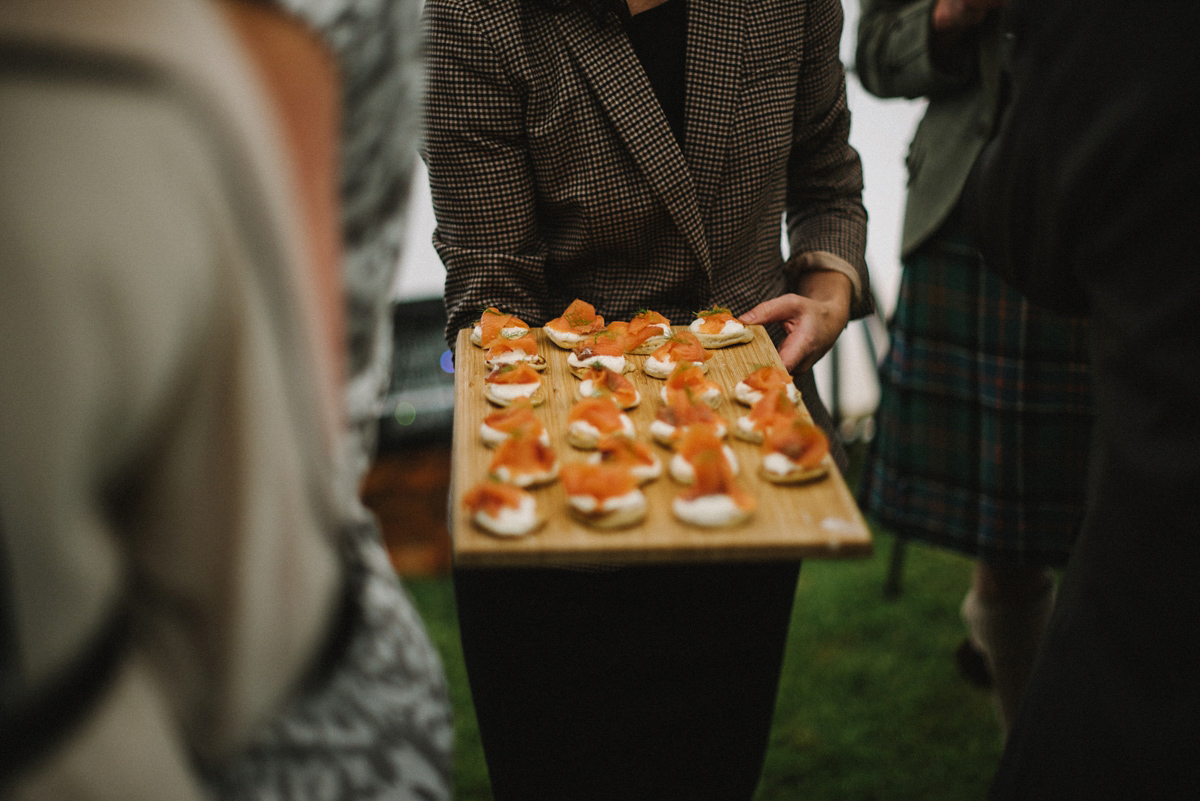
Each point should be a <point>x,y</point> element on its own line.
<point>834,292</point>
<point>827,286</point>
<point>805,274</point>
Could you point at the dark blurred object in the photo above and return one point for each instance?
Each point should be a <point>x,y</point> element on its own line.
<point>409,480</point>
<point>972,665</point>
<point>1087,200</point>
<point>419,407</point>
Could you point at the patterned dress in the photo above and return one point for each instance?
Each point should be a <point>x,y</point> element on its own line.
<point>375,722</point>
<point>985,414</point>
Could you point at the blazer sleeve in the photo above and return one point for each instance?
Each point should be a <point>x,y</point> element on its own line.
<point>479,175</point>
<point>893,56</point>
<point>825,214</point>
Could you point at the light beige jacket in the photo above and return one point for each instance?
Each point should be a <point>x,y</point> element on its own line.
<point>166,420</point>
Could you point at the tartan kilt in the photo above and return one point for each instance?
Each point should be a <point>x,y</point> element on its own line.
<point>985,414</point>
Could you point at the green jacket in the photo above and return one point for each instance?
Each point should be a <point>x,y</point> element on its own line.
<point>893,60</point>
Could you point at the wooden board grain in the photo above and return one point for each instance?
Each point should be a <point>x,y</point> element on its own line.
<point>819,519</point>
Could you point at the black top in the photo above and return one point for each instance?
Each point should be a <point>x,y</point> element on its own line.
<point>659,38</point>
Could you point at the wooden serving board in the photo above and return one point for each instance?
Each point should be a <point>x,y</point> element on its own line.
<point>819,519</point>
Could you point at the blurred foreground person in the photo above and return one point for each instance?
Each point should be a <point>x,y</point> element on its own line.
<point>1088,202</point>
<point>173,561</point>
<point>985,409</point>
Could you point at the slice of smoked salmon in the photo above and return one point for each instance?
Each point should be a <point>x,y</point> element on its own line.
<point>580,318</point>
<point>774,403</point>
<point>799,440</point>
<point>519,373</point>
<point>714,476</point>
<point>500,346</point>
<point>763,378</point>
<point>492,324</point>
<point>601,481</point>
<point>625,452</point>
<point>645,326</point>
<point>688,376</point>
<point>601,343</point>
<point>518,417</point>
<point>648,318</point>
<point>601,413</point>
<point>682,409</point>
<point>619,331</point>
<point>695,439</point>
<point>523,455</point>
<point>714,319</point>
<point>490,497</point>
<point>683,346</point>
<point>610,382</point>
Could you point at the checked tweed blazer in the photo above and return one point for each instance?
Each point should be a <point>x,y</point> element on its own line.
<point>555,175</point>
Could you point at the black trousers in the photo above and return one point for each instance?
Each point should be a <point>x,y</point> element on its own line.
<point>652,682</point>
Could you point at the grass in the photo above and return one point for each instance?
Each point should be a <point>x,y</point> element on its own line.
<point>870,707</point>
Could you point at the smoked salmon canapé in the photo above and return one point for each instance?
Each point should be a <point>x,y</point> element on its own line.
<point>618,330</point>
<point>681,410</point>
<point>522,350</point>
<point>578,321</point>
<point>598,382</point>
<point>593,418</point>
<point>509,420</point>
<point>794,451</point>
<point>637,456</point>
<point>509,383</point>
<point>693,442</point>
<point>602,349</point>
<point>773,406</point>
<point>524,461</point>
<point>502,509</point>
<point>714,498</point>
<point>494,324</point>
<point>751,388</point>
<point>648,331</point>
<point>690,378</point>
<point>683,346</point>
<point>603,495</point>
<point>718,328</point>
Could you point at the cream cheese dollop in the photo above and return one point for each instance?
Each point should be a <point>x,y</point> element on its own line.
<point>511,392</point>
<point>587,432</point>
<point>683,472</point>
<point>744,393</point>
<point>510,521</point>
<point>634,499</point>
<point>708,510</point>
<point>658,367</point>
<point>494,436</point>
<point>776,464</point>
<point>730,327</point>
<point>614,363</point>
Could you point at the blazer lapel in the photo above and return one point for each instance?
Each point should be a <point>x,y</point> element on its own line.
<point>715,43</point>
<point>612,70</point>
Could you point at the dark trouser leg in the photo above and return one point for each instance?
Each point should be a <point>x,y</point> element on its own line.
<point>642,683</point>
